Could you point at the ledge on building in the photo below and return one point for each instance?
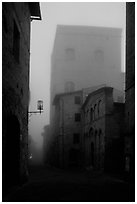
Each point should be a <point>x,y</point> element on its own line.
<point>35,10</point>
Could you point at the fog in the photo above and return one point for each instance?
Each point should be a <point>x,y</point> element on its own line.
<point>42,39</point>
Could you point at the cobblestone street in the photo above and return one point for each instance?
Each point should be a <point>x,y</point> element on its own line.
<point>48,184</point>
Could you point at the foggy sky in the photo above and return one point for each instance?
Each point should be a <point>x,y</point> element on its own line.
<point>42,39</point>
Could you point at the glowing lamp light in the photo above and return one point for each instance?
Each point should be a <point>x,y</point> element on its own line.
<point>40,105</point>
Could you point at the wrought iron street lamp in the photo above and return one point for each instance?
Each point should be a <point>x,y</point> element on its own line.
<point>39,108</point>
<point>40,105</point>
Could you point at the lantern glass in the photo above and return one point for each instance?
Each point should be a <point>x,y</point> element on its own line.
<point>40,105</point>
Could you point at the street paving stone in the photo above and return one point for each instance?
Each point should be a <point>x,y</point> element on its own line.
<point>47,184</point>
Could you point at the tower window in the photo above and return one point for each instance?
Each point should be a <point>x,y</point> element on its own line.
<point>70,54</point>
<point>99,56</point>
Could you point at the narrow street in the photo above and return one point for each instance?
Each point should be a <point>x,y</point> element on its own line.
<point>47,184</point>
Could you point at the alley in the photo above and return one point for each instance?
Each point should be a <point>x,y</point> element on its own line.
<point>47,184</point>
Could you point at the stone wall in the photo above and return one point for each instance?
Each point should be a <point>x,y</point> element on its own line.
<point>103,130</point>
<point>130,90</point>
<point>15,85</point>
<point>66,126</point>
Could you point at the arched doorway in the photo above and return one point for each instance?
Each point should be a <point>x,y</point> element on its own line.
<point>12,150</point>
<point>92,153</point>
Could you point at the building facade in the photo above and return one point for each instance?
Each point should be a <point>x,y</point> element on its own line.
<point>130,90</point>
<point>68,129</point>
<point>46,145</point>
<point>16,18</point>
<point>66,144</point>
<point>103,136</point>
<point>84,57</point>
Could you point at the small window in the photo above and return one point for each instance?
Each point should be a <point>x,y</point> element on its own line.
<point>76,138</point>
<point>69,86</point>
<point>77,100</point>
<point>99,56</point>
<point>16,42</point>
<point>77,117</point>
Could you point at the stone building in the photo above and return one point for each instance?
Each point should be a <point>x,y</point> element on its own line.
<point>16,18</point>
<point>68,129</point>
<point>61,141</point>
<point>130,90</point>
<point>85,56</point>
<point>103,124</point>
<point>46,143</point>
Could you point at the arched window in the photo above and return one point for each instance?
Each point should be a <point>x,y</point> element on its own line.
<point>100,132</point>
<point>91,132</point>
<point>91,114</point>
<point>96,132</point>
<point>95,111</point>
<point>70,53</point>
<point>99,106</point>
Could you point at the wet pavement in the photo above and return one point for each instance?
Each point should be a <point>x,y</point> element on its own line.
<point>47,184</point>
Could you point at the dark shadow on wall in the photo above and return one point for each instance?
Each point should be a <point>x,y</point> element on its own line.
<point>11,159</point>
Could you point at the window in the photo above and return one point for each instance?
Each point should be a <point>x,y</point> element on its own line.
<point>76,138</point>
<point>77,100</point>
<point>91,114</point>
<point>69,86</point>
<point>16,42</point>
<point>95,111</point>
<point>99,107</point>
<point>70,54</point>
<point>77,117</point>
<point>91,132</point>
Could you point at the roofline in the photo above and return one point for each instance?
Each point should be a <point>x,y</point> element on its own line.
<point>94,93</point>
<point>119,29</point>
<point>57,96</point>
<point>60,28</point>
<point>35,10</point>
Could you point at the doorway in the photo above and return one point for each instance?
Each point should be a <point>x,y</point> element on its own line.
<point>12,151</point>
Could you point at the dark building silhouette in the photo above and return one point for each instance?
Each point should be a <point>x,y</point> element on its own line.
<point>68,129</point>
<point>130,92</point>
<point>103,125</point>
<point>82,57</point>
<point>70,144</point>
<point>16,18</point>
<point>85,56</point>
<point>46,144</point>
